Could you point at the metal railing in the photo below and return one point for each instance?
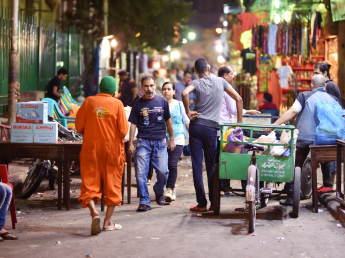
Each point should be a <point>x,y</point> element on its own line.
<point>42,51</point>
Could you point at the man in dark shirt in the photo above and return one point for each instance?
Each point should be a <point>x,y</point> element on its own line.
<point>151,115</point>
<point>128,89</point>
<point>54,84</point>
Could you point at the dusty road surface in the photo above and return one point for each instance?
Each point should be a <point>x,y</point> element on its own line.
<point>171,230</point>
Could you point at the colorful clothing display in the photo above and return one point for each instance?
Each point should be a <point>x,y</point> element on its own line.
<point>266,66</point>
<point>248,19</point>
<point>272,39</point>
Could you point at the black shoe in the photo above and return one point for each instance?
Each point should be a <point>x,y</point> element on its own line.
<point>160,199</point>
<point>143,207</point>
<point>287,202</point>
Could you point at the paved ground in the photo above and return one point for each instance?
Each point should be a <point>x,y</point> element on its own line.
<point>171,230</point>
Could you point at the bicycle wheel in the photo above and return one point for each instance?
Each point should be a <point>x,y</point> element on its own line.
<point>34,179</point>
<point>296,192</point>
<point>216,191</point>
<point>251,197</point>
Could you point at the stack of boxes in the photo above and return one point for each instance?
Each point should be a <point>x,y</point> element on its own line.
<point>32,124</point>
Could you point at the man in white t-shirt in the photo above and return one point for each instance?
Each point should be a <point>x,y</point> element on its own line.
<point>227,113</point>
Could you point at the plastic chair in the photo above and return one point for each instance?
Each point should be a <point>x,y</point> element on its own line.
<point>5,180</point>
<point>68,96</point>
<point>273,112</point>
<point>69,121</point>
<point>52,113</point>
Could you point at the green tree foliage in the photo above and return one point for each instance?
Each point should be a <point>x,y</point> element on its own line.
<point>153,19</point>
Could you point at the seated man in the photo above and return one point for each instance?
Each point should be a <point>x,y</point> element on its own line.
<point>5,199</point>
<point>304,108</point>
<point>268,103</point>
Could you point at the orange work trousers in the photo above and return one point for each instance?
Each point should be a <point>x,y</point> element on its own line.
<point>99,162</point>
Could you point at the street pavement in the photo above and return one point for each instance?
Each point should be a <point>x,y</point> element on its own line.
<point>171,230</point>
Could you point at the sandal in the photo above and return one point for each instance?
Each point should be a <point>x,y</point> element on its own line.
<point>115,227</point>
<point>5,236</point>
<point>197,208</point>
<point>95,225</point>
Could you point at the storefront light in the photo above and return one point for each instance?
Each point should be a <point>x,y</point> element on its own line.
<point>113,43</point>
<point>219,48</point>
<point>165,58</point>
<point>276,4</point>
<point>277,18</point>
<point>175,54</point>
<point>219,30</point>
<point>184,41</point>
<point>156,65</point>
<point>221,59</point>
<point>191,35</point>
<point>225,23</point>
<point>168,48</point>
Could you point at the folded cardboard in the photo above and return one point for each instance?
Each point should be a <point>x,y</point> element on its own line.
<point>32,112</point>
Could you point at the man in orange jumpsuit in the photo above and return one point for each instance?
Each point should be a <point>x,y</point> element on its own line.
<point>102,121</point>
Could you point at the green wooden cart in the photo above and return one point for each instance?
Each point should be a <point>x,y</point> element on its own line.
<point>279,169</point>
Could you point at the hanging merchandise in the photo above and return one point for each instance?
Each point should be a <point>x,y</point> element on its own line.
<point>265,40</point>
<point>249,61</point>
<point>266,66</point>
<point>272,39</point>
<point>248,19</point>
<point>284,73</point>
<point>315,28</point>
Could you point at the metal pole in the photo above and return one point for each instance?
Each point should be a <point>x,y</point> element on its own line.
<point>13,78</point>
<point>105,16</point>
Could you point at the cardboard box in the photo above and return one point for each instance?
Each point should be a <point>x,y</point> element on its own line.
<point>32,112</point>
<point>46,133</point>
<point>22,128</point>
<point>45,138</point>
<point>22,137</point>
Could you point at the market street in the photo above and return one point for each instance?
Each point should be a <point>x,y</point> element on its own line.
<point>171,230</point>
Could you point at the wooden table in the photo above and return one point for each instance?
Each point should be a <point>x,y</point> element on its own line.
<point>63,153</point>
<point>51,151</point>
<point>340,157</point>
<point>320,154</point>
<point>72,152</point>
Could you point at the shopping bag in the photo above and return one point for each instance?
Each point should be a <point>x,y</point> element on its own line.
<point>330,123</point>
<point>235,135</point>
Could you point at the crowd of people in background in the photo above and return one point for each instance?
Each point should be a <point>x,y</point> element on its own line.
<point>166,110</point>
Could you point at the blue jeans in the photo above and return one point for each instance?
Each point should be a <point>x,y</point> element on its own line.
<point>156,152</point>
<point>203,140</point>
<point>5,199</point>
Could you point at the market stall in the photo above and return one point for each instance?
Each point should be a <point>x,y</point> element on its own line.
<point>275,46</point>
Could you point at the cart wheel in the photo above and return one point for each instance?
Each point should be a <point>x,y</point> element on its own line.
<point>252,216</point>
<point>216,191</point>
<point>296,192</point>
<point>306,187</point>
<point>251,196</point>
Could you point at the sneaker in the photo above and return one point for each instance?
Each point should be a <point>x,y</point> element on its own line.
<point>168,195</point>
<point>173,195</point>
<point>325,189</point>
<point>197,208</point>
